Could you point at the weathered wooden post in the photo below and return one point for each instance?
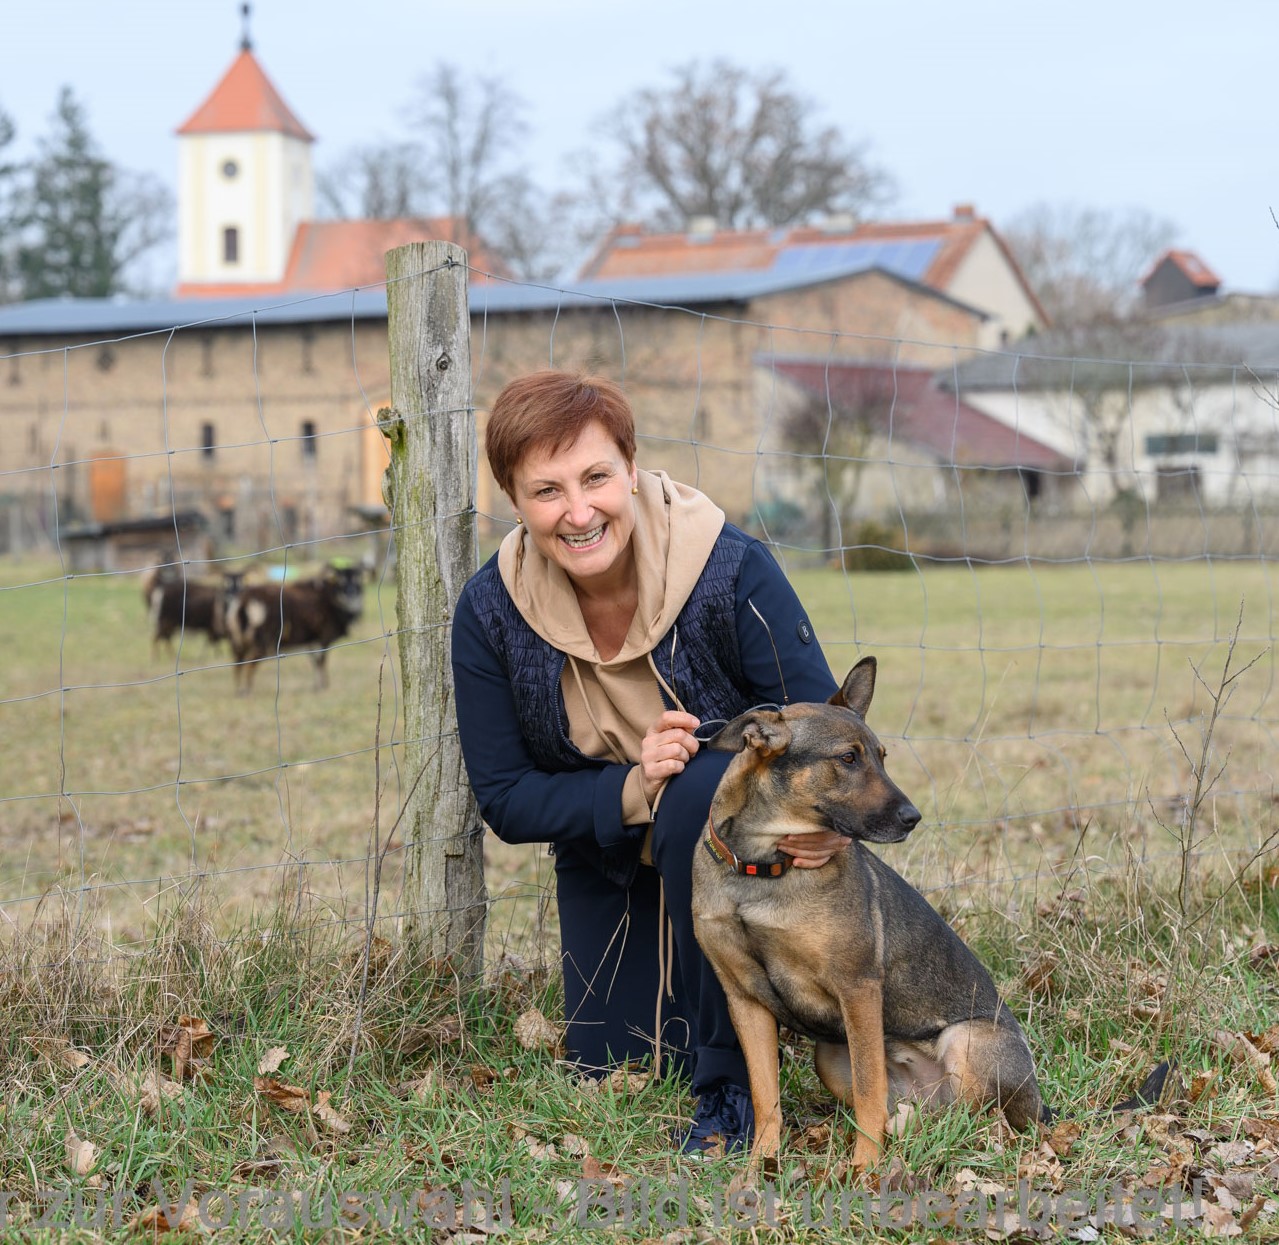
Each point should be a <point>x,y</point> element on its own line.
<point>430,487</point>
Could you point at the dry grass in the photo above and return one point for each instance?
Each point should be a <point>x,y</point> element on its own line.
<point>1030,712</point>
<point>147,813</point>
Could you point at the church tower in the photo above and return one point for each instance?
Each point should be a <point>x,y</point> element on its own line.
<point>245,183</point>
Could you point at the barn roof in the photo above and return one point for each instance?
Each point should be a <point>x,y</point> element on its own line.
<point>908,404</point>
<point>928,253</point>
<point>76,316</point>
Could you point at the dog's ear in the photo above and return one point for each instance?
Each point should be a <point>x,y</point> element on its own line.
<point>764,732</point>
<point>859,687</point>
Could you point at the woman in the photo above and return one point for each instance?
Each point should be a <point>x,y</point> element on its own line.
<point>620,616</point>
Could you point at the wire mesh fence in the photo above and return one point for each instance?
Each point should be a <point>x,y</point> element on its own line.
<point>1053,560</point>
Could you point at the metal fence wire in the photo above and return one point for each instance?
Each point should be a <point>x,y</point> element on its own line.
<point>1064,566</point>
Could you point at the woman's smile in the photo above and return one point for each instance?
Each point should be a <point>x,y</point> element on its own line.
<point>584,540</point>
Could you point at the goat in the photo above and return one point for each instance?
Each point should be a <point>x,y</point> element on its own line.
<point>178,604</point>
<point>264,619</point>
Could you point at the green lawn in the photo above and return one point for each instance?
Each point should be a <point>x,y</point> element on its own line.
<point>1021,705</point>
<point>1031,714</point>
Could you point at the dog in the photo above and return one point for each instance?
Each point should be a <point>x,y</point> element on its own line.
<point>848,954</point>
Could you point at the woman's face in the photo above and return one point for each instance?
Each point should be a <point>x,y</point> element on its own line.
<point>577,504</point>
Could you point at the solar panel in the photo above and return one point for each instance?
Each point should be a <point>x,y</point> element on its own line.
<point>909,259</point>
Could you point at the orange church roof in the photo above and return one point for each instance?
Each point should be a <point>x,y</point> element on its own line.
<point>245,99</point>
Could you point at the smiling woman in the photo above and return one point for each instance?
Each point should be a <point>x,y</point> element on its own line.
<point>621,616</point>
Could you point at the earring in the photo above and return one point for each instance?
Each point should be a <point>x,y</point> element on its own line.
<point>635,487</point>
<point>519,518</point>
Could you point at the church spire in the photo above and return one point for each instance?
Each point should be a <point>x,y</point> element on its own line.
<point>246,43</point>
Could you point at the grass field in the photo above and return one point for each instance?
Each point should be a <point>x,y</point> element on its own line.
<point>1034,715</point>
<point>1023,707</point>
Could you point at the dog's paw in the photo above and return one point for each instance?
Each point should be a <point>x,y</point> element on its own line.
<point>865,1153</point>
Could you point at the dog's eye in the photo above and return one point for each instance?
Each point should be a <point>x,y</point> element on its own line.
<point>851,757</point>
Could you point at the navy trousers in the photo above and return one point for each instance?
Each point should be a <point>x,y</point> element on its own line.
<point>609,939</point>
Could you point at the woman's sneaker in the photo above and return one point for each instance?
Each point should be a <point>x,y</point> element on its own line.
<point>724,1121</point>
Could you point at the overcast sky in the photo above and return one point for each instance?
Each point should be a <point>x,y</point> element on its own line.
<point>1165,106</point>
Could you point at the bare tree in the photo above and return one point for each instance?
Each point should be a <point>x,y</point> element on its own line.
<point>380,181</point>
<point>737,145</point>
<point>470,133</point>
<point>1084,263</point>
<point>835,434</point>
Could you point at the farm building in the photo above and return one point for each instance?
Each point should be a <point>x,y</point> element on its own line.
<point>250,396</point>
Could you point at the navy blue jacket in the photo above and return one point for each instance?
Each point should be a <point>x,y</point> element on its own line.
<point>530,792</point>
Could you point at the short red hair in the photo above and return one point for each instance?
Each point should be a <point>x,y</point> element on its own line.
<point>548,410</point>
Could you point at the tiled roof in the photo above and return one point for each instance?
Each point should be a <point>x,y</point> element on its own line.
<point>911,407</point>
<point>245,99</point>
<point>1191,266</point>
<point>927,252</point>
<point>343,254</point>
<point>339,254</point>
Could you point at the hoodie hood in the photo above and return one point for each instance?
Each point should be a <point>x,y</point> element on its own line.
<point>675,529</point>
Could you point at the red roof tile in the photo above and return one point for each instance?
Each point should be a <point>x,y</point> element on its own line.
<point>631,252</point>
<point>910,407</point>
<point>339,254</point>
<point>1191,266</point>
<point>342,254</point>
<point>245,99</point>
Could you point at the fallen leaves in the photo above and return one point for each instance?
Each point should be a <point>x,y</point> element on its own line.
<point>1039,975</point>
<point>81,1156</point>
<point>1245,1054</point>
<point>296,1100</point>
<point>271,1061</point>
<point>59,1052</point>
<point>534,1032</point>
<point>155,1220</point>
<point>150,1090</point>
<point>188,1045</point>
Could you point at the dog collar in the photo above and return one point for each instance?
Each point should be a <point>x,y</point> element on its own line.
<point>721,851</point>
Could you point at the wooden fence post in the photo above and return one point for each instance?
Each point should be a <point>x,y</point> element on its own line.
<point>430,491</point>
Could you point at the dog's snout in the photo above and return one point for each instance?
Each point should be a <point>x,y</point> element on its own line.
<point>908,816</point>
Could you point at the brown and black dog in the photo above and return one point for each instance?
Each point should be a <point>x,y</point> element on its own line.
<point>849,954</point>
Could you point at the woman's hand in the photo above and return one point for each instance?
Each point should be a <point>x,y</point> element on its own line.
<point>811,851</point>
<point>668,745</point>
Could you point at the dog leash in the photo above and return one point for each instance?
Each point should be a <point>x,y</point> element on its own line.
<point>721,851</point>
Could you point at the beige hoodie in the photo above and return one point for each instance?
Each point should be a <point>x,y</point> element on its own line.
<point>611,704</point>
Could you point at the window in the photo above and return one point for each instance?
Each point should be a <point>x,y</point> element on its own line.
<point>231,245</point>
<point>308,438</point>
<point>1177,484</point>
<point>230,169</point>
<point>1182,443</point>
<point>208,442</point>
